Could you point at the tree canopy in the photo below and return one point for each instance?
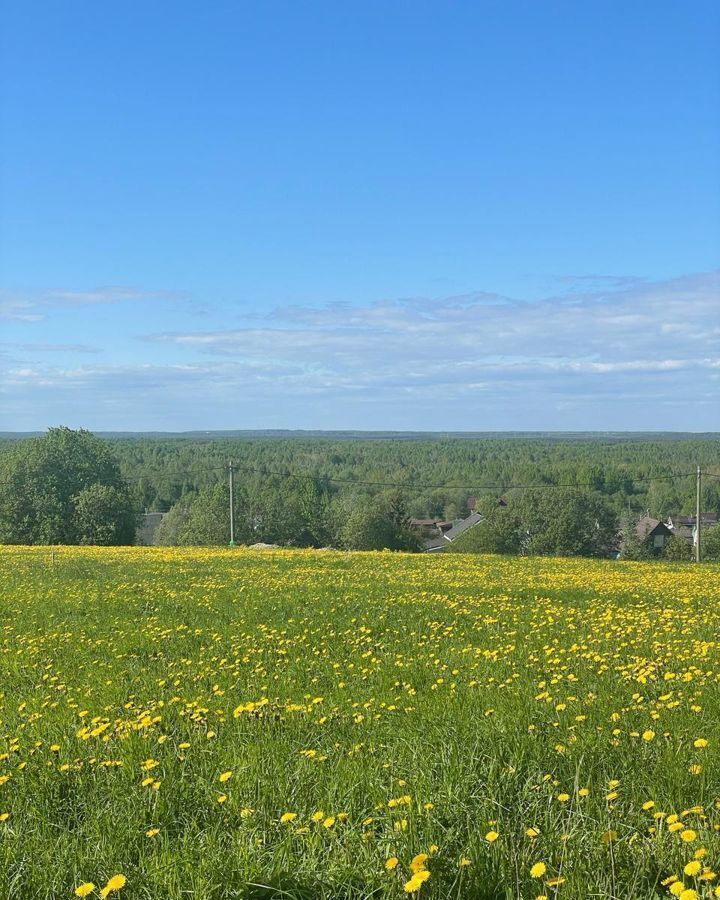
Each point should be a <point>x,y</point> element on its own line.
<point>65,488</point>
<point>559,522</point>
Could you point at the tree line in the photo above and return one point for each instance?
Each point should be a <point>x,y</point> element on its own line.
<point>72,487</point>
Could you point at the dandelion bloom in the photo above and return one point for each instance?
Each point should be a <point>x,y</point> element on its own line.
<point>226,776</point>
<point>648,735</point>
<point>288,817</point>
<point>491,837</point>
<point>151,832</point>
<point>538,870</point>
<point>418,862</point>
<point>688,835</point>
<point>84,889</point>
<point>416,882</point>
<point>115,884</point>
<point>693,867</point>
<point>391,863</point>
<point>700,743</point>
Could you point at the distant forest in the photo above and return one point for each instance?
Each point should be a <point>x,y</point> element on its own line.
<point>437,473</point>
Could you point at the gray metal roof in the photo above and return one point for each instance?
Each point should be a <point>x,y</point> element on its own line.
<point>462,526</point>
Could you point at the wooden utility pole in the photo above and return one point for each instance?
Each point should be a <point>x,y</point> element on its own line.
<point>232,507</point>
<point>698,492</point>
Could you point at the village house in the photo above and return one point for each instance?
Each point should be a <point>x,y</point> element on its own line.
<point>653,532</point>
<point>685,527</point>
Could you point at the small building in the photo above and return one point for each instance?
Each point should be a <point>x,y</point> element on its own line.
<point>434,524</point>
<point>653,532</point>
<point>448,535</point>
<point>685,527</point>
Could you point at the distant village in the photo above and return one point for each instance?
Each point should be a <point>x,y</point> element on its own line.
<point>437,534</point>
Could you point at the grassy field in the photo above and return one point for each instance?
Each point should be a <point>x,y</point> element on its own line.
<point>216,724</point>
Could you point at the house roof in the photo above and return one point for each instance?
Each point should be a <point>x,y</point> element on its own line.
<point>647,525</point>
<point>689,521</point>
<point>462,526</point>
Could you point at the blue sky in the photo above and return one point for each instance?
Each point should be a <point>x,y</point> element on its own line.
<point>411,215</point>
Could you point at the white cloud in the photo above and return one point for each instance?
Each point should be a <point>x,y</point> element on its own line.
<point>645,327</point>
<point>34,306</point>
<point>600,358</point>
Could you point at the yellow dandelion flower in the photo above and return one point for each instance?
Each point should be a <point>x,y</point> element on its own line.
<point>538,870</point>
<point>288,817</point>
<point>416,882</point>
<point>491,837</point>
<point>116,883</point>
<point>464,861</point>
<point>391,863</point>
<point>151,832</point>
<point>688,835</point>
<point>84,889</point>
<point>226,776</point>
<point>648,735</point>
<point>693,867</point>
<point>417,863</point>
<point>700,743</point>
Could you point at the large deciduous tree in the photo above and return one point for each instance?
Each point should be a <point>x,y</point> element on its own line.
<point>551,522</point>
<point>64,488</point>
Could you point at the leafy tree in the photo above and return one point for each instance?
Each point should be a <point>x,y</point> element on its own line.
<point>559,522</point>
<point>171,530</point>
<point>677,549</point>
<point>631,547</point>
<point>710,544</point>
<point>105,516</point>
<point>51,484</point>
<point>500,531</point>
<point>377,523</point>
<point>567,522</point>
